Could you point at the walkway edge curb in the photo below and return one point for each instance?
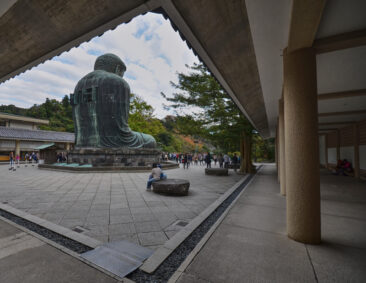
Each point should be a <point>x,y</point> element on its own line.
<point>65,250</point>
<point>176,275</point>
<point>83,239</point>
<point>159,256</point>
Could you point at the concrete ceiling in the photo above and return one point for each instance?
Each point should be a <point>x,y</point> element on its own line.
<point>338,71</point>
<point>241,42</point>
<point>37,30</point>
<point>269,23</point>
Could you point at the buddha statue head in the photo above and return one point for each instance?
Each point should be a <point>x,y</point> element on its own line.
<point>110,63</point>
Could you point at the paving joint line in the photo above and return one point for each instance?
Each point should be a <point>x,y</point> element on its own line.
<point>165,255</point>
<point>311,262</point>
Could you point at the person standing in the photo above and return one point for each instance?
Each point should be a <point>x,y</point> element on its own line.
<point>221,160</point>
<point>26,159</point>
<point>208,160</point>
<point>185,161</point>
<point>11,159</point>
<point>17,158</point>
<point>226,161</point>
<point>235,161</point>
<point>31,158</point>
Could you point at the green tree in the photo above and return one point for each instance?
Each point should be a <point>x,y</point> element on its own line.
<point>141,118</point>
<point>219,120</point>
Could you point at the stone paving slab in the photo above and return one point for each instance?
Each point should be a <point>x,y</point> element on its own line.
<point>251,244</point>
<point>111,206</point>
<point>28,259</point>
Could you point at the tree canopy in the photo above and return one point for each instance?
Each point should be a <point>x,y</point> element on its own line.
<point>216,117</point>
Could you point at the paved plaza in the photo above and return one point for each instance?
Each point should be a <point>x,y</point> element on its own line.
<point>111,206</point>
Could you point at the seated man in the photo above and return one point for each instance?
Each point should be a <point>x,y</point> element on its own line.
<point>163,176</point>
<point>155,176</point>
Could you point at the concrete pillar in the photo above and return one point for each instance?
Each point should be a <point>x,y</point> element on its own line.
<point>338,145</point>
<point>281,133</point>
<point>277,155</point>
<point>356,158</point>
<point>17,148</point>
<point>302,146</point>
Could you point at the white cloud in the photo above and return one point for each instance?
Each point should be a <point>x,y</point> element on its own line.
<point>148,45</point>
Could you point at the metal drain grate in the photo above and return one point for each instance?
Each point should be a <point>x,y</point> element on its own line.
<point>182,223</point>
<point>79,229</point>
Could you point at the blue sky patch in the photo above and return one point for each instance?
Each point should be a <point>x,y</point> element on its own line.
<point>141,29</point>
<point>94,52</point>
<point>62,60</point>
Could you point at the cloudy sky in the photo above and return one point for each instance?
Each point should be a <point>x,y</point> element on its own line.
<point>148,45</point>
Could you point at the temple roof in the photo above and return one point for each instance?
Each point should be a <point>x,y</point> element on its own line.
<point>35,135</point>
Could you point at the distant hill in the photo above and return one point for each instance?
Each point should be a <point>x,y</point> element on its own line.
<point>59,113</point>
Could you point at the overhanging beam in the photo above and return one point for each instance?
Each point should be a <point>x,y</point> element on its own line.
<point>330,129</point>
<point>340,41</point>
<point>342,113</point>
<point>342,94</point>
<point>305,19</point>
<point>336,123</point>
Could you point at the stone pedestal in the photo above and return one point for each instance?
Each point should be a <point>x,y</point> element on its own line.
<point>176,187</point>
<point>217,171</point>
<point>98,157</point>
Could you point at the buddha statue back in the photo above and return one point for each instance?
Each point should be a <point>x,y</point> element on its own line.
<point>100,104</point>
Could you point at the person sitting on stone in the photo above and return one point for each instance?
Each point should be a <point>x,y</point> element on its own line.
<point>344,168</point>
<point>163,176</point>
<point>155,176</point>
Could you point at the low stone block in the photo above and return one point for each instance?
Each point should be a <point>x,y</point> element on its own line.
<point>172,187</point>
<point>217,171</point>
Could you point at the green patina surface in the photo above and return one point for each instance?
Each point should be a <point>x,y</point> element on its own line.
<point>101,102</point>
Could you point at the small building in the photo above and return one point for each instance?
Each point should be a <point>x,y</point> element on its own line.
<point>21,135</point>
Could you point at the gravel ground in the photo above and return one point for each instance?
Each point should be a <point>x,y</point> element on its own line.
<point>171,264</point>
<point>61,240</point>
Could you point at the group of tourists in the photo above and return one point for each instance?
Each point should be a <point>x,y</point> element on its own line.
<point>223,160</point>
<point>344,167</point>
<point>61,157</point>
<point>29,158</point>
<point>206,159</point>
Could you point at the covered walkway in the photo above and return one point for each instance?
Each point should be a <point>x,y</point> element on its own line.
<point>251,244</point>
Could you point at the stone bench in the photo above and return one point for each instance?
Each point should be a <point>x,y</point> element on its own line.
<point>176,187</point>
<point>217,171</point>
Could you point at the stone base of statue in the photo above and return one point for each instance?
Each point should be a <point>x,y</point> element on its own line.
<point>110,160</point>
<point>98,157</point>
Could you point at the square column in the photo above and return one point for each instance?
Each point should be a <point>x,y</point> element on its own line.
<point>302,146</point>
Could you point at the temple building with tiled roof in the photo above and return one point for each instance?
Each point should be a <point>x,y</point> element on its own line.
<point>21,134</point>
